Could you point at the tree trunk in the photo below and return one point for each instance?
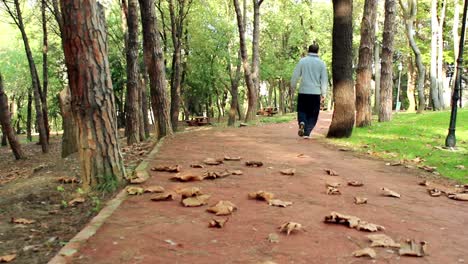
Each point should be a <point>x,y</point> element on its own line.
<point>386,82</point>
<point>92,98</point>
<point>29,117</point>
<point>440,56</point>
<point>377,77</point>
<point>144,101</point>
<point>342,66</point>
<point>411,86</point>
<point>5,120</point>
<point>455,37</point>
<point>70,134</point>
<point>45,70</point>
<point>141,117</point>
<point>433,72</point>
<point>364,69</point>
<point>133,108</point>
<point>255,55</point>
<point>234,89</point>
<point>154,60</point>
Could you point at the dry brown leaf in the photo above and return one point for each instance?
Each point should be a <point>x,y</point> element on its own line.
<point>365,252</point>
<point>355,183</point>
<point>413,248</point>
<point>331,172</point>
<point>333,184</point>
<point>217,223</point>
<point>261,195</point>
<point>22,221</point>
<point>236,172</point>
<point>166,196</point>
<point>189,192</point>
<point>289,227</point>
<point>428,168</point>
<point>154,189</point>
<point>352,222</point>
<point>363,225</point>
<point>273,238</point>
<point>360,200</point>
<point>333,191</point>
<point>138,179</point>
<point>186,177</point>
<point>459,196</point>
<point>212,161</point>
<point>289,172</point>
<point>197,166</point>
<point>228,158</point>
<point>425,183</point>
<point>135,190</point>
<point>211,175</point>
<point>196,200</point>
<point>7,258</point>
<point>303,156</point>
<point>417,160</point>
<point>279,203</point>
<point>390,193</point>
<point>222,208</point>
<point>76,201</point>
<point>434,192</point>
<point>173,169</point>
<point>68,180</point>
<point>381,240</point>
<point>254,163</point>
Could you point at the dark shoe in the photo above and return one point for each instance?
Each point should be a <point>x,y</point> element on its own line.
<point>300,132</point>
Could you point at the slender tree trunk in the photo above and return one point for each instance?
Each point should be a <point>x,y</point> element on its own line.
<point>141,117</point>
<point>154,60</point>
<point>411,86</point>
<point>433,72</point>
<point>256,54</point>
<point>386,82</point>
<point>133,75</point>
<point>342,66</point>
<point>234,89</point>
<point>364,69</point>
<point>29,117</point>
<point>377,77</point>
<point>144,101</point>
<point>45,70</point>
<point>455,37</point>
<point>93,104</point>
<point>70,133</point>
<point>440,56</point>
<point>5,120</point>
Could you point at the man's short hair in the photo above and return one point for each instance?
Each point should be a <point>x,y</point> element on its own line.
<point>314,48</point>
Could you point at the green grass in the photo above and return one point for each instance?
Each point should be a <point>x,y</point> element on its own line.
<point>277,118</point>
<point>411,135</point>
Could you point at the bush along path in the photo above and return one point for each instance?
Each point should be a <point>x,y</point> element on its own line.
<point>263,195</point>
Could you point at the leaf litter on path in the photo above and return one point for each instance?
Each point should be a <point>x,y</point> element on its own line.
<point>186,177</point>
<point>154,189</point>
<point>222,208</point>
<point>290,227</point>
<point>333,184</point>
<point>166,196</point>
<point>288,172</point>
<point>279,203</point>
<point>196,201</point>
<point>235,158</point>
<point>236,172</point>
<point>381,240</point>
<point>189,192</point>
<point>254,163</point>
<point>132,190</point>
<point>261,195</point>
<point>352,222</point>
<point>76,201</point>
<point>172,168</point>
<point>211,175</point>
<point>217,223</point>
<point>212,161</point>
<point>390,193</point>
<point>7,258</point>
<point>22,221</point>
<point>355,183</point>
<point>66,180</point>
<point>365,252</point>
<point>273,238</point>
<point>412,248</point>
<point>197,166</point>
<point>459,196</point>
<point>434,192</point>
<point>331,172</point>
<point>360,200</point>
<point>333,191</point>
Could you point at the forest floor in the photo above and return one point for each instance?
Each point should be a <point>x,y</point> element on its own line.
<point>30,190</point>
<point>145,231</point>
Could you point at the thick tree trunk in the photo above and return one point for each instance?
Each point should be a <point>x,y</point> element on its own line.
<point>70,134</point>
<point>386,82</point>
<point>234,89</point>
<point>29,117</point>
<point>377,78</point>
<point>342,66</point>
<point>433,72</point>
<point>92,98</point>
<point>133,108</point>
<point>5,120</point>
<point>256,53</point>
<point>45,69</point>
<point>154,60</point>
<point>440,57</point>
<point>411,86</point>
<point>364,69</point>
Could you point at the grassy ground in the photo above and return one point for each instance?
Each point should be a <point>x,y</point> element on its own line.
<point>409,136</point>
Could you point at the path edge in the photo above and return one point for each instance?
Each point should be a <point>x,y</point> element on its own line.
<point>72,247</point>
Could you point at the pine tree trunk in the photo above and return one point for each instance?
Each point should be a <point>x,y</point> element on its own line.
<point>342,66</point>
<point>133,108</point>
<point>92,97</point>
<point>70,134</point>
<point>433,72</point>
<point>386,81</point>
<point>5,120</point>
<point>154,61</point>
<point>29,117</point>
<point>45,70</point>
<point>364,69</point>
<point>411,86</point>
<point>144,101</point>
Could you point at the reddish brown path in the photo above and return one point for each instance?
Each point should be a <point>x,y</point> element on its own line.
<point>141,231</point>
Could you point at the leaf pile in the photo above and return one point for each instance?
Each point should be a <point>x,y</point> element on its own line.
<point>222,208</point>
<point>352,222</point>
<point>173,168</point>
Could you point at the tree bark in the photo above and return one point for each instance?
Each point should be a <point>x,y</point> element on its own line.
<point>144,101</point>
<point>5,120</point>
<point>433,72</point>
<point>342,67</point>
<point>70,134</point>
<point>45,70</point>
<point>29,117</point>
<point>234,79</point>
<point>386,81</point>
<point>154,60</point>
<point>377,77</point>
<point>92,97</point>
<point>133,108</point>
<point>364,69</point>
<point>440,56</point>
<point>256,52</point>
<point>411,86</point>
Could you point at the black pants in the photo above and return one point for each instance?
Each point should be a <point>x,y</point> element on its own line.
<point>308,108</point>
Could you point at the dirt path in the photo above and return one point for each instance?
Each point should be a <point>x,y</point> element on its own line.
<point>141,231</point>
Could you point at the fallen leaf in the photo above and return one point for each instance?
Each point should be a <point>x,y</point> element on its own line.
<point>459,196</point>
<point>388,192</point>
<point>7,258</point>
<point>68,180</point>
<point>222,208</point>
<point>138,179</point>
<point>434,192</point>
<point>352,222</point>
<point>273,238</point>
<point>198,166</point>
<point>424,183</point>
<point>173,169</point>
<point>170,242</point>
<point>236,172</point>
<point>22,221</point>
<point>167,196</point>
<point>261,195</point>
<point>365,252</point>
<point>394,163</point>
<point>186,177</point>
<point>212,161</point>
<point>189,192</point>
<point>135,190</point>
<point>460,167</point>
<point>381,240</point>
<point>76,201</point>
<point>228,158</point>
<point>289,227</point>
<point>428,168</point>
<point>333,191</point>
<point>355,183</point>
<point>154,189</point>
<point>254,163</point>
<point>360,200</point>
<point>417,160</point>
<point>243,124</point>
<point>288,171</point>
<point>196,200</point>
<point>331,172</point>
<point>211,175</point>
<point>279,203</point>
<point>217,223</point>
<point>303,156</point>
<point>333,184</point>
<point>413,248</point>
<point>366,226</point>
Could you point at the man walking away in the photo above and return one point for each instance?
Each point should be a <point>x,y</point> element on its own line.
<point>312,90</point>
